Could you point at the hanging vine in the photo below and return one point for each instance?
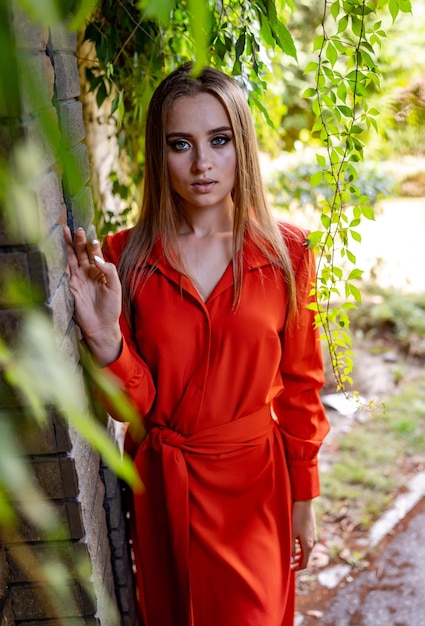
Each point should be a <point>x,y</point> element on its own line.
<point>346,74</point>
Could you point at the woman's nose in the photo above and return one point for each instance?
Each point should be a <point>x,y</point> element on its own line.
<point>201,161</point>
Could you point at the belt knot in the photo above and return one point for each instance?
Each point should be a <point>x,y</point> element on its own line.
<point>161,435</point>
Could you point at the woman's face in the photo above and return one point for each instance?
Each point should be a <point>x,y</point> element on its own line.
<point>201,155</point>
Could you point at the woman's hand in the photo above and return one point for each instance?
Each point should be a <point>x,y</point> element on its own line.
<point>97,294</point>
<point>303,533</point>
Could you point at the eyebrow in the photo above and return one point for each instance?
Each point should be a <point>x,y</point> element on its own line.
<point>213,131</point>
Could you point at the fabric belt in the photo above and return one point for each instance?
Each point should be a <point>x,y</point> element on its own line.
<point>244,432</point>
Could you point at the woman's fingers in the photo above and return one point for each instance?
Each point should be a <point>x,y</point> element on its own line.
<point>94,250</point>
<point>297,556</point>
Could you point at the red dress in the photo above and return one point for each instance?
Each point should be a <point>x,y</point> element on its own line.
<point>212,535</point>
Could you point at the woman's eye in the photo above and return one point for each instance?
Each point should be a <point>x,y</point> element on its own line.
<point>179,145</point>
<point>220,140</point>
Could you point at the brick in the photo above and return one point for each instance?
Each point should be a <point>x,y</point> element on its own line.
<point>82,208</point>
<point>93,513</point>
<point>119,542</point>
<point>86,460</point>
<point>70,526</point>
<point>36,77</point>
<point>61,429</point>
<point>27,266</point>
<point>6,140</point>
<point>67,77</point>
<point>10,326</point>
<point>34,438</point>
<point>27,34</point>
<point>50,202</point>
<point>76,170</point>
<point>38,274</point>
<point>61,38</point>
<point>56,476</point>
<point>73,557</point>
<point>111,482</point>
<point>7,614</point>
<point>12,264</point>
<point>71,122</point>
<point>29,602</point>
<point>51,438</point>
<point>43,132</point>
<point>75,523</point>
<point>69,346</point>
<point>4,573</point>
<point>114,512</point>
<point>69,621</point>
<point>55,256</point>
<point>61,309</point>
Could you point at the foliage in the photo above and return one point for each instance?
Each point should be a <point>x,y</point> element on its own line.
<point>396,316</point>
<point>406,127</point>
<point>290,185</point>
<point>137,46</point>
<point>346,74</point>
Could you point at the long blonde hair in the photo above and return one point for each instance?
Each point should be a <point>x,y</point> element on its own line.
<point>160,215</point>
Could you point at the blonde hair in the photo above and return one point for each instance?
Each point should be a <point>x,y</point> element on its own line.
<point>160,215</point>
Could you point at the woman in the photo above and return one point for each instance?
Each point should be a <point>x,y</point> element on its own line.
<point>216,349</point>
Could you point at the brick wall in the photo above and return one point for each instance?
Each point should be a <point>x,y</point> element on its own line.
<point>82,490</point>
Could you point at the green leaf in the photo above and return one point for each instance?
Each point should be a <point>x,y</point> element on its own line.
<point>314,238</point>
<point>355,292</point>
<point>240,45</point>
<point>350,256</point>
<point>394,9</point>
<point>101,94</point>
<point>309,93</point>
<point>318,43</point>
<point>82,13</point>
<point>284,38</point>
<point>368,212</point>
<point>200,24</point>
<point>356,273</point>
<point>326,221</point>
<point>342,24</point>
<point>159,9</point>
<point>321,160</point>
<point>331,53</point>
<point>265,31</point>
<point>355,235</point>
<point>345,110</point>
<point>316,178</point>
<point>311,67</point>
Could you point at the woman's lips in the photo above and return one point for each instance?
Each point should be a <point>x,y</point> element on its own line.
<point>203,186</point>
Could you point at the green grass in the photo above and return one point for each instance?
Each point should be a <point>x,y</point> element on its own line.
<point>375,459</point>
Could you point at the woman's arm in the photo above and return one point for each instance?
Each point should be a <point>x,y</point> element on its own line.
<point>301,416</point>
<point>97,292</point>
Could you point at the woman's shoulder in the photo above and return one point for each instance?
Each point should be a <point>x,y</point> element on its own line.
<point>295,238</point>
<point>292,234</point>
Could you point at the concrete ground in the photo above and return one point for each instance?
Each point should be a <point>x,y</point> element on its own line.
<point>390,591</point>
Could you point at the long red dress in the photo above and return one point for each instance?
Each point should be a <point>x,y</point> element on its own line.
<point>212,534</point>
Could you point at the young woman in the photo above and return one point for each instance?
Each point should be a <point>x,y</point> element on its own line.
<point>199,311</point>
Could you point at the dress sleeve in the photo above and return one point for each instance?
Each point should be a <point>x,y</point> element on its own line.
<point>301,417</point>
<point>129,368</point>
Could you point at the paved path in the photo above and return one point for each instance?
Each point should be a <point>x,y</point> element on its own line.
<point>391,591</point>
